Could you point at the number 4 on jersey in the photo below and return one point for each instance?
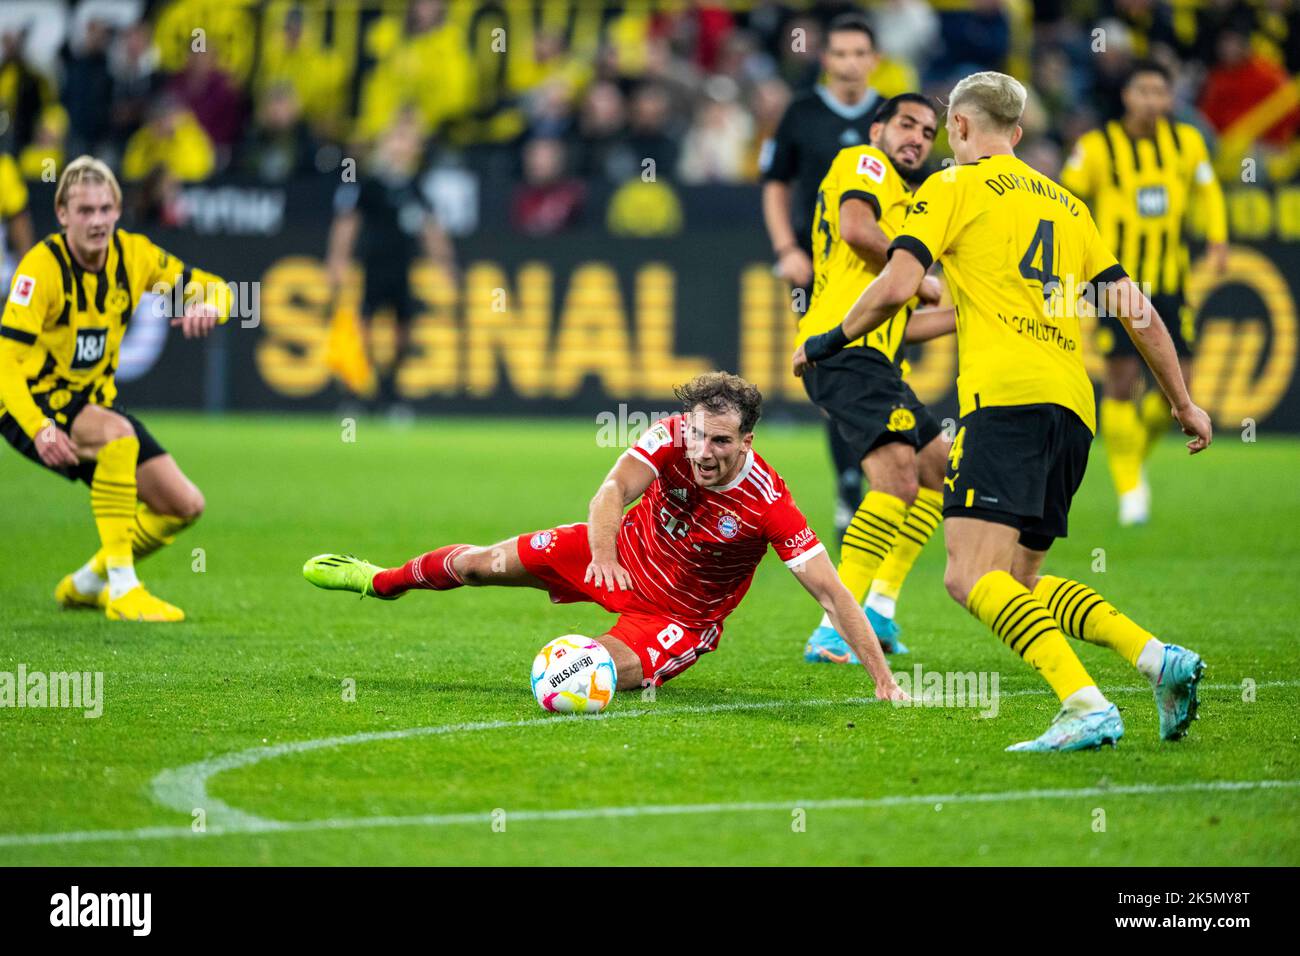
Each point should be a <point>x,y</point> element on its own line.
<point>1042,248</point>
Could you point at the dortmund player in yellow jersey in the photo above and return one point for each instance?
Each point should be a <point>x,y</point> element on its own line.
<point>69,304</point>
<point>1143,175</point>
<point>1018,253</point>
<point>861,204</point>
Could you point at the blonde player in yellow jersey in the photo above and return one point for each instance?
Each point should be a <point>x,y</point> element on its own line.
<point>69,304</point>
<point>1018,253</point>
<point>861,204</point>
<point>1143,175</point>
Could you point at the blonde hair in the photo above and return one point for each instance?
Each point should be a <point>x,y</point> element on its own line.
<point>998,99</point>
<point>85,169</point>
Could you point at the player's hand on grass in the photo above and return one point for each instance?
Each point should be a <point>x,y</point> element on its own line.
<point>55,447</point>
<point>801,362</point>
<point>795,267</point>
<point>892,692</point>
<point>1195,422</point>
<point>198,320</point>
<point>609,575</point>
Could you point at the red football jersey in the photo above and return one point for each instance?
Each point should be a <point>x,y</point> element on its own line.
<point>692,551</point>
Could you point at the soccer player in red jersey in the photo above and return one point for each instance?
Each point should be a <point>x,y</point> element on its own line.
<point>674,566</point>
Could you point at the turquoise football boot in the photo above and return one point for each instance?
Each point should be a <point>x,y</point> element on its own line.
<point>1076,732</point>
<point>827,647</point>
<point>887,630</point>
<point>1175,690</point>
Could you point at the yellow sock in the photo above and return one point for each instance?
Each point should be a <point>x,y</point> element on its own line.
<point>922,520</point>
<point>149,532</point>
<point>868,539</point>
<point>112,499</point>
<point>152,531</point>
<point>1024,624</point>
<point>1125,440</point>
<point>1153,411</point>
<point>1084,614</point>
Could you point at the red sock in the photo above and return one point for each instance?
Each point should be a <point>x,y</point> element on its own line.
<point>430,572</point>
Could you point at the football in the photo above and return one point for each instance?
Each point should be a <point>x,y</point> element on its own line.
<point>574,675</point>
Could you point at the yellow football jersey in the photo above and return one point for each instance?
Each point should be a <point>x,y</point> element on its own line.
<point>1140,192</point>
<point>63,325</point>
<point>839,273</point>
<point>1017,251</point>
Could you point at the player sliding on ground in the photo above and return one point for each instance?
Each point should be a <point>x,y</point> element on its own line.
<point>69,304</point>
<point>675,565</point>
<point>1018,252</point>
<point>861,205</point>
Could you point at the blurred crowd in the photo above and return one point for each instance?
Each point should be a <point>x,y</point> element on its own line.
<point>688,89</point>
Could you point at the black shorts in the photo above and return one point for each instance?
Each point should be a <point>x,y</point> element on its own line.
<point>866,398</point>
<point>63,419</point>
<point>1018,465</point>
<point>388,286</point>
<point>1114,342</point>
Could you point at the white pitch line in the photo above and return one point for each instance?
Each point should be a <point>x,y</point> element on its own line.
<point>658,810</point>
<point>184,788</point>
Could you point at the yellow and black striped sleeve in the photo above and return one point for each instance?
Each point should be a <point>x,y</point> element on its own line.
<point>161,271</point>
<point>35,295</point>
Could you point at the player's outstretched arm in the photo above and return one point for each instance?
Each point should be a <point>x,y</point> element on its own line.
<point>625,483</point>
<point>208,297</point>
<point>821,580</point>
<point>897,282</point>
<point>930,324</point>
<point>1149,334</point>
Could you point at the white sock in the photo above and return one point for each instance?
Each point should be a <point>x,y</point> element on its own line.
<point>1085,700</point>
<point>121,580</point>
<point>85,580</point>
<point>1151,660</point>
<point>826,621</point>
<point>882,605</point>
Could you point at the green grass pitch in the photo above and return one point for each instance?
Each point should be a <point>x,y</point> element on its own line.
<point>750,757</point>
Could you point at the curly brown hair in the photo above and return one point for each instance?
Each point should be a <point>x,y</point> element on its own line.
<point>722,392</point>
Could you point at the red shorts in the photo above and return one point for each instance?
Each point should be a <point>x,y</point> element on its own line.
<point>666,647</point>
